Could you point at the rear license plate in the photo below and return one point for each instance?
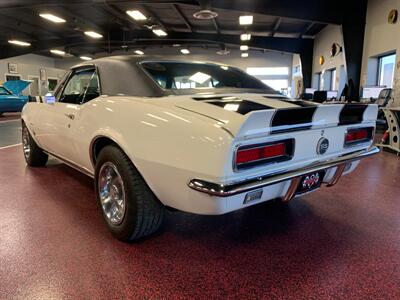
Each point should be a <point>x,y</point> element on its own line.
<point>310,182</point>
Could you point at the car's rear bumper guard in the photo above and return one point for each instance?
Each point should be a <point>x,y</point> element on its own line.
<point>221,190</point>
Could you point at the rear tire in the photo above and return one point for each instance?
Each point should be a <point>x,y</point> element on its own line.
<point>129,207</point>
<point>34,155</point>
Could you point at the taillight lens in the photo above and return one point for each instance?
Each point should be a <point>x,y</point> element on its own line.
<point>358,135</point>
<point>248,156</point>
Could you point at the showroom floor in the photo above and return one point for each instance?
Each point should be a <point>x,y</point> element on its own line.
<point>341,242</point>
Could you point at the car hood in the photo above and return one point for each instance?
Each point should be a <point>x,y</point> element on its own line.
<point>16,86</point>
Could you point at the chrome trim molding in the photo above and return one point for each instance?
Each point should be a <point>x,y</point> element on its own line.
<point>72,165</point>
<point>221,190</point>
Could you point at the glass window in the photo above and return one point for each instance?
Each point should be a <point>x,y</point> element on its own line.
<point>182,75</point>
<point>3,91</point>
<point>320,82</point>
<point>51,84</point>
<point>333,80</point>
<point>83,86</point>
<point>280,85</point>
<point>386,70</point>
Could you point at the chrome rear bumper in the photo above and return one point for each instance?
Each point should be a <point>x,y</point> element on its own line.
<point>221,190</point>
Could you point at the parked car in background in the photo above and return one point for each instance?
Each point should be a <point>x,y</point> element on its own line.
<point>199,137</point>
<point>11,98</point>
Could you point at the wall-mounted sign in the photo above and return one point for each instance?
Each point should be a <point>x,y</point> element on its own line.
<point>12,68</point>
<point>392,16</point>
<point>335,49</point>
<point>42,75</point>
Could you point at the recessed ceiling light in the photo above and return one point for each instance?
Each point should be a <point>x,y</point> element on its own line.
<point>245,37</point>
<point>159,32</point>
<point>246,20</point>
<point>93,34</point>
<point>245,54</point>
<point>58,52</point>
<point>52,18</point>
<point>244,48</point>
<point>139,52</point>
<point>85,58</point>
<point>19,43</point>
<point>185,51</point>
<point>137,15</point>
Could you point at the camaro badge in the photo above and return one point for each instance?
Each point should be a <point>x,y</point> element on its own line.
<point>323,145</point>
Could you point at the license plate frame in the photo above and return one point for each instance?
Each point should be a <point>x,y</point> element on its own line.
<point>310,182</point>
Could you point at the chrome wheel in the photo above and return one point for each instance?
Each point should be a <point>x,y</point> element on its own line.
<point>26,146</point>
<point>112,193</point>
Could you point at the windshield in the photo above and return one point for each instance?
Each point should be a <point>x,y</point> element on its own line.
<point>3,91</point>
<point>182,75</point>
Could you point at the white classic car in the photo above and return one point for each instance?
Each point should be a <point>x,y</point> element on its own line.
<point>199,137</point>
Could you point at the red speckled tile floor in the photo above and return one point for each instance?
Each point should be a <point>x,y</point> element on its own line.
<point>337,243</point>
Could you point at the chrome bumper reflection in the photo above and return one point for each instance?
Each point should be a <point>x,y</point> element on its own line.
<point>221,190</point>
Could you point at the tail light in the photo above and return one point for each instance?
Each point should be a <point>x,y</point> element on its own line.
<point>252,155</point>
<point>358,136</point>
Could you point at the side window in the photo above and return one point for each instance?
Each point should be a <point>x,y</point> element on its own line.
<point>81,87</point>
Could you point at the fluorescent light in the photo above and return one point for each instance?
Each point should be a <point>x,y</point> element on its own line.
<point>199,77</point>
<point>58,52</point>
<point>185,51</point>
<point>245,54</point>
<point>139,52</point>
<point>19,43</point>
<point>244,48</point>
<point>246,20</point>
<point>93,34</point>
<point>85,58</point>
<point>137,15</point>
<point>245,37</point>
<point>52,18</point>
<point>159,32</point>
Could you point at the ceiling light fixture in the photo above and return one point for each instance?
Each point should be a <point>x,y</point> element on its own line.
<point>57,52</point>
<point>246,20</point>
<point>159,32</point>
<point>245,54</point>
<point>93,34</point>
<point>244,48</point>
<point>137,15</point>
<point>85,58</point>
<point>205,14</point>
<point>245,37</point>
<point>139,52</point>
<point>52,18</point>
<point>19,43</point>
<point>185,51</point>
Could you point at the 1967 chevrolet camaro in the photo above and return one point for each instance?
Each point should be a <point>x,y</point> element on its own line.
<point>199,137</point>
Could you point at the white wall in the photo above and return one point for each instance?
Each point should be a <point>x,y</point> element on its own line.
<point>30,65</point>
<point>322,46</point>
<point>380,38</point>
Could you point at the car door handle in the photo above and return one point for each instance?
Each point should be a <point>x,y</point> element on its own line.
<point>70,116</point>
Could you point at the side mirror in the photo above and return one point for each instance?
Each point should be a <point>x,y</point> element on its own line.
<point>49,98</point>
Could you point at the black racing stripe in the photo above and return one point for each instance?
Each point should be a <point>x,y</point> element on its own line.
<point>244,106</point>
<point>352,114</point>
<point>294,118</point>
<point>300,103</point>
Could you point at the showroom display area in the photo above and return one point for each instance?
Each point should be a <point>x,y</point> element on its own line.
<point>199,149</point>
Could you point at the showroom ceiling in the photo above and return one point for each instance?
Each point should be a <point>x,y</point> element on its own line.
<point>276,23</point>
